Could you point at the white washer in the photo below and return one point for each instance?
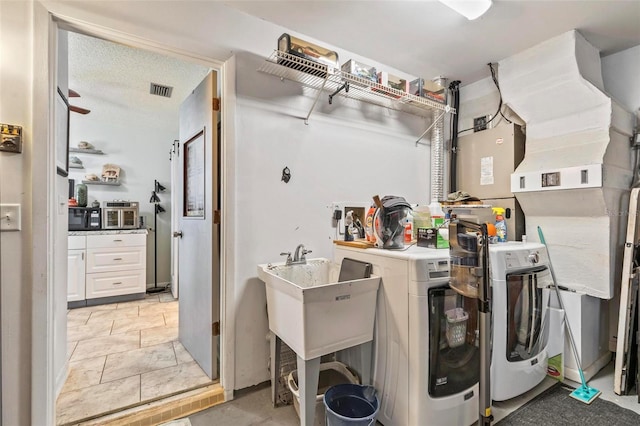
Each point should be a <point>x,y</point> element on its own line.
<point>417,383</point>
<point>520,293</point>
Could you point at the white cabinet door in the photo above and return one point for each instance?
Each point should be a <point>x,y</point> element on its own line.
<point>75,275</point>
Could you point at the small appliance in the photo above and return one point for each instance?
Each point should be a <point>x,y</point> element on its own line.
<point>84,218</point>
<point>120,214</point>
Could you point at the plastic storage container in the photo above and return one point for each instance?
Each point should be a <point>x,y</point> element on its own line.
<point>351,405</point>
<point>421,219</point>
<point>331,374</point>
<point>309,51</point>
<point>428,89</point>
<point>360,70</point>
<point>390,80</point>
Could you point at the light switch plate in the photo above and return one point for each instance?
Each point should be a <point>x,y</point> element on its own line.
<point>10,217</point>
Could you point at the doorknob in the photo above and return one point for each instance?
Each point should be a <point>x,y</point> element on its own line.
<point>177,234</point>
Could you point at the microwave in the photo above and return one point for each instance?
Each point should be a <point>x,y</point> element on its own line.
<point>120,215</point>
<point>84,218</point>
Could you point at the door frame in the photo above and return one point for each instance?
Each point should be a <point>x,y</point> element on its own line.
<point>43,169</point>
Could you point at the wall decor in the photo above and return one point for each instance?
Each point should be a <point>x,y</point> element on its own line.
<point>194,177</point>
<point>11,138</point>
<point>61,111</point>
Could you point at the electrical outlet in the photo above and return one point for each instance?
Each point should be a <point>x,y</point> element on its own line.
<point>480,123</point>
<point>9,217</point>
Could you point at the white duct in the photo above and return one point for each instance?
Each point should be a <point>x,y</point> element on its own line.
<point>575,177</point>
<point>437,151</point>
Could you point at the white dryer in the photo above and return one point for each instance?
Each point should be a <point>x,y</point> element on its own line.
<point>520,280</point>
<point>424,374</point>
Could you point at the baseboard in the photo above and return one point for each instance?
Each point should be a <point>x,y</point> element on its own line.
<point>62,378</point>
<point>590,371</point>
<point>166,284</point>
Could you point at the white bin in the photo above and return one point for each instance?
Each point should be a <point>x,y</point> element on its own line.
<point>331,374</point>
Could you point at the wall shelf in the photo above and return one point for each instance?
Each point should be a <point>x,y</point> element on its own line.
<point>86,151</point>
<point>328,79</point>
<point>98,182</point>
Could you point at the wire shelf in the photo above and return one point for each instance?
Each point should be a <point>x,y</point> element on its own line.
<point>331,79</point>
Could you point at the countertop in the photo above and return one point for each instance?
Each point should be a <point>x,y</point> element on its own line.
<point>108,232</point>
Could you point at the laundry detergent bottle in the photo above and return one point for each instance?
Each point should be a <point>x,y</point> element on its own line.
<point>501,224</point>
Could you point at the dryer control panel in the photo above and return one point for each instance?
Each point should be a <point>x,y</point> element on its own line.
<point>519,259</point>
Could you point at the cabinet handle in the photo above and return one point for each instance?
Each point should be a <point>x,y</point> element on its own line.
<point>119,282</point>
<point>82,255</point>
<point>117,241</point>
<point>117,258</point>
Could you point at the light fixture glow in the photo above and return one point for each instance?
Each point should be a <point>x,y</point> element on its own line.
<point>470,9</point>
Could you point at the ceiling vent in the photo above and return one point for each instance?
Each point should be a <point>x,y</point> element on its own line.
<point>160,90</point>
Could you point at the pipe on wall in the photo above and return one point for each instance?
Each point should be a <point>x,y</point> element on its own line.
<point>437,151</point>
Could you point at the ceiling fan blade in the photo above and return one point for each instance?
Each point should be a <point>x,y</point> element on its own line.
<point>79,110</point>
<point>73,94</point>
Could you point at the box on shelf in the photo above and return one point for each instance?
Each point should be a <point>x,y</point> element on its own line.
<point>428,89</point>
<point>392,81</point>
<point>309,51</point>
<point>361,70</point>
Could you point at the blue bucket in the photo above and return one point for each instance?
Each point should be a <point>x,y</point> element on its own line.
<point>351,405</point>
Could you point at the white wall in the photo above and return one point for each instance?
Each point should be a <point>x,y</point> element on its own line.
<point>15,188</point>
<point>140,146</point>
<point>620,74</point>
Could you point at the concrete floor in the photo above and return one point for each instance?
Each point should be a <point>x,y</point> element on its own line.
<point>252,406</point>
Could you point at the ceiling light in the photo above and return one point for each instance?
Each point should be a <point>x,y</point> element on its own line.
<point>470,9</point>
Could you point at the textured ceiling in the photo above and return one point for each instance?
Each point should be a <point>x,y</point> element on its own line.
<point>113,80</point>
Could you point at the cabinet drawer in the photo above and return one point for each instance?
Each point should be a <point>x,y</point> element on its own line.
<point>107,284</point>
<point>118,240</point>
<point>77,242</point>
<point>115,259</point>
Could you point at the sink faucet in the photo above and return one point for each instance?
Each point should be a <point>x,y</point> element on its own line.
<point>300,259</point>
<point>297,258</point>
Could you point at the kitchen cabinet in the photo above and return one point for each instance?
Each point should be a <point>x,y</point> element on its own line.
<point>337,82</point>
<point>106,266</point>
<point>116,265</point>
<point>76,270</point>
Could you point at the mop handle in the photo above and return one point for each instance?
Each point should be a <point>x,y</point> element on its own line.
<point>566,319</point>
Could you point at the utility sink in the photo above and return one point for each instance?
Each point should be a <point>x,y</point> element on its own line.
<point>312,312</point>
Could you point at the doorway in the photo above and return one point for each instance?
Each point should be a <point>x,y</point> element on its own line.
<point>110,344</point>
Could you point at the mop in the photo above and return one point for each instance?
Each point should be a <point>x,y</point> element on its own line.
<point>584,393</point>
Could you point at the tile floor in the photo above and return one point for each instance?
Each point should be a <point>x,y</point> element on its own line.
<point>123,354</point>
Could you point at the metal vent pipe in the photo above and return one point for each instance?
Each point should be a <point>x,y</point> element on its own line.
<point>437,150</point>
